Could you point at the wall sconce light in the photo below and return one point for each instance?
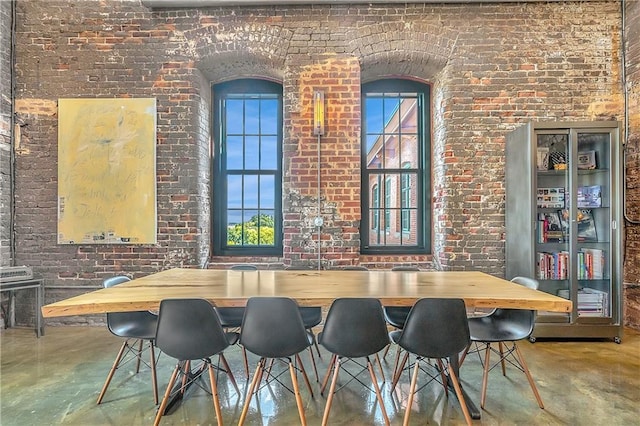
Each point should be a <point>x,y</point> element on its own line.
<point>318,113</point>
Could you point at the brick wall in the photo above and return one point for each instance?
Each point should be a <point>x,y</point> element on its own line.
<point>632,229</point>
<point>492,66</point>
<point>6,71</point>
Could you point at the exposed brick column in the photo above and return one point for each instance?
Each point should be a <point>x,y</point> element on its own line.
<point>339,78</point>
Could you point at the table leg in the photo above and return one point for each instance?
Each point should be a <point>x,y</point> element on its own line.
<point>39,304</point>
<point>473,410</point>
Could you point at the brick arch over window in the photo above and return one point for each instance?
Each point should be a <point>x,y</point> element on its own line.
<point>215,59</point>
<point>416,50</point>
<point>239,52</point>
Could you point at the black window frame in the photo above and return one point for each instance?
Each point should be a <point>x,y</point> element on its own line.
<point>220,93</point>
<point>424,204</point>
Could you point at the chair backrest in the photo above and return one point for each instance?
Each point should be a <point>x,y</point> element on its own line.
<point>531,283</point>
<point>139,324</point>
<point>519,321</point>
<point>272,327</point>
<point>436,328</point>
<point>112,281</point>
<point>189,329</point>
<point>354,268</point>
<point>406,268</point>
<point>244,267</point>
<point>355,327</point>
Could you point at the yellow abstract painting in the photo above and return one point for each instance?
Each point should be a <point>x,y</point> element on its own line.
<point>107,171</point>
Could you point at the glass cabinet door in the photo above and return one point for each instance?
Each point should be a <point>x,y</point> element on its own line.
<point>553,227</point>
<point>592,218</point>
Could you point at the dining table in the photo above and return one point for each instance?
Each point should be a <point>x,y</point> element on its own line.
<point>307,288</point>
<point>310,288</point>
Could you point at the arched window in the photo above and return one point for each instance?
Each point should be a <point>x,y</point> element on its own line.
<point>247,168</point>
<point>396,150</point>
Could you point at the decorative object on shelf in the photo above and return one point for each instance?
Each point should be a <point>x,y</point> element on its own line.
<point>558,160</point>
<point>543,158</point>
<point>551,198</point>
<point>587,160</point>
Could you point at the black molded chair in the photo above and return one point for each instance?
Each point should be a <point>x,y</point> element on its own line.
<point>505,327</point>
<point>355,328</point>
<point>189,329</point>
<point>231,316</point>
<point>435,329</point>
<point>139,331</point>
<point>272,328</point>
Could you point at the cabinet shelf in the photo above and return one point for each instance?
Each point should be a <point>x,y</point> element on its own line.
<point>578,254</point>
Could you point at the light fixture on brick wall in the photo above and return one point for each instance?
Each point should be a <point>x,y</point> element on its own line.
<point>318,113</point>
<point>318,130</point>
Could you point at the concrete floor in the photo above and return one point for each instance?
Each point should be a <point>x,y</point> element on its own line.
<point>56,380</point>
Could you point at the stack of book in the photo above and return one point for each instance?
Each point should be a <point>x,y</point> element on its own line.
<point>591,302</point>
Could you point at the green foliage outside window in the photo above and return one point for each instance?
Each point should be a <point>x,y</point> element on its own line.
<point>257,231</point>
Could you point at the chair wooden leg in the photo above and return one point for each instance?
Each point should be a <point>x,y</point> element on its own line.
<point>304,374</point>
<point>252,389</point>
<point>485,374</point>
<point>458,389</point>
<point>315,342</point>
<point>167,393</point>
<point>398,371</point>
<point>229,372</point>
<point>501,350</point>
<point>214,393</point>
<point>374,380</point>
<point>529,377</point>
<point>313,362</point>
<point>463,355</point>
<point>154,377</point>
<point>332,364</point>
<point>139,355</point>
<point>246,362</point>
<point>384,379</point>
<point>397,358</point>
<point>185,378</point>
<point>412,390</point>
<point>332,389</point>
<point>386,351</point>
<point>114,367</point>
<point>296,390</point>
<point>443,376</point>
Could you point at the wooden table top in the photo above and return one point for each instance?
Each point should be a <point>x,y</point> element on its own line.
<point>308,288</point>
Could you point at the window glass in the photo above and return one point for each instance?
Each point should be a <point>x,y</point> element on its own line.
<point>396,169</point>
<point>247,206</point>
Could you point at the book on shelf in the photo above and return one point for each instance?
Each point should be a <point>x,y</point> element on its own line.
<point>586,226</point>
<point>549,228</point>
<point>553,265</point>
<point>589,196</point>
<point>591,302</point>
<point>591,264</point>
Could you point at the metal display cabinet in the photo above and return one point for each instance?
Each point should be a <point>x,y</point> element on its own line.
<point>563,222</point>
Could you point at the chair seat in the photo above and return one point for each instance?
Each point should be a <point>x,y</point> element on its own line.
<point>230,317</point>
<point>396,315</point>
<point>311,315</point>
<point>141,325</point>
<point>498,329</point>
